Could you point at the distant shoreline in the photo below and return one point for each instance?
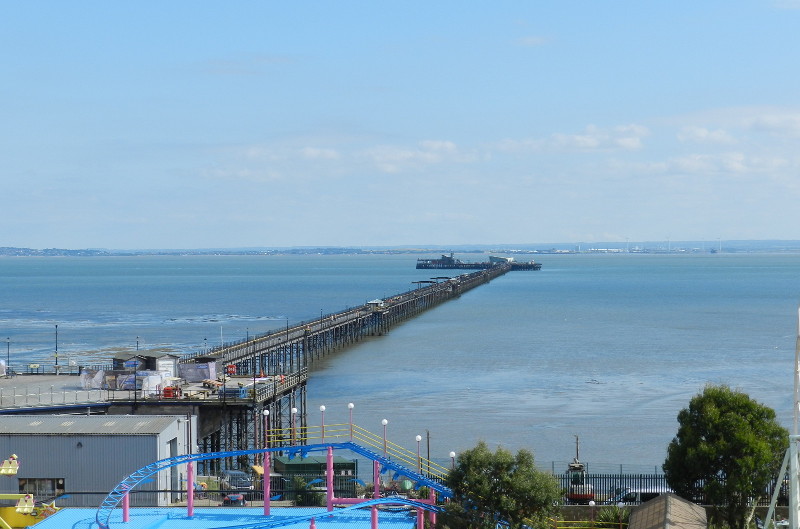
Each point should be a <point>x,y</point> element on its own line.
<point>657,247</point>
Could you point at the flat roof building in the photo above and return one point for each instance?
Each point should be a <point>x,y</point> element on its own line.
<point>86,456</point>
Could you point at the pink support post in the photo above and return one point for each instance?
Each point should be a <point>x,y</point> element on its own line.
<point>189,489</point>
<point>432,514</point>
<point>126,507</point>
<point>313,524</point>
<point>376,477</point>
<point>266,483</point>
<point>329,478</point>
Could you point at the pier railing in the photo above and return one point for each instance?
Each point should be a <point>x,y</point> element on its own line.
<point>30,395</point>
<point>327,433</point>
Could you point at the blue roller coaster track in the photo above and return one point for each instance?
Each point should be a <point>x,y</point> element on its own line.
<point>114,497</point>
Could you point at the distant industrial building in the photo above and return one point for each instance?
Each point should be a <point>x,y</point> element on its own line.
<point>85,456</point>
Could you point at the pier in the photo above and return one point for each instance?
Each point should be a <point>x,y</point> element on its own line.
<point>262,376</point>
<point>448,262</point>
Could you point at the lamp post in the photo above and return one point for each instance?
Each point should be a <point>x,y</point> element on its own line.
<point>322,411</point>
<point>384,423</point>
<point>8,355</point>
<point>452,460</point>
<point>267,465</point>
<point>266,428</point>
<point>294,413</point>
<point>419,461</point>
<point>591,505</point>
<point>350,407</point>
<point>56,349</point>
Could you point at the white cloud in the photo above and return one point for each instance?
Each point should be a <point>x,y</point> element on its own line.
<point>729,163</point>
<point>786,4</point>
<point>393,159</point>
<point>694,134</point>
<point>625,137</point>
<point>779,124</point>
<point>259,175</point>
<point>531,41</point>
<point>316,153</point>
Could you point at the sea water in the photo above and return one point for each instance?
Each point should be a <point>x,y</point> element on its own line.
<point>605,348</point>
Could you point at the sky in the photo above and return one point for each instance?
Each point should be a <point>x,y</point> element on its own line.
<point>197,124</point>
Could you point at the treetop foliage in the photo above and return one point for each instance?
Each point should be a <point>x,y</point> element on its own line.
<point>727,450</point>
<point>491,486</point>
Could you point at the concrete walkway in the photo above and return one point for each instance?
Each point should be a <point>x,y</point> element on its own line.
<point>32,390</point>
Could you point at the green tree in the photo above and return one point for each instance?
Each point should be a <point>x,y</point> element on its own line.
<point>490,487</point>
<point>727,450</point>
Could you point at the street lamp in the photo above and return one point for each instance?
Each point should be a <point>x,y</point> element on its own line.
<point>8,356</point>
<point>266,428</point>
<point>265,476</point>
<point>294,412</point>
<point>384,423</point>
<point>322,411</point>
<point>56,348</point>
<point>350,407</point>
<point>452,460</point>
<point>419,461</point>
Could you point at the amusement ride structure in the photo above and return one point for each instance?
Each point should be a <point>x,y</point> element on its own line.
<point>385,455</point>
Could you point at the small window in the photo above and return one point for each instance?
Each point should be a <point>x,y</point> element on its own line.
<point>42,488</point>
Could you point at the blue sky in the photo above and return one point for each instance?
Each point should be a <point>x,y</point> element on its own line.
<point>196,124</point>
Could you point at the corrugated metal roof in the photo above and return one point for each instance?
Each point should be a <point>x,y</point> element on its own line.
<point>668,511</point>
<point>86,424</point>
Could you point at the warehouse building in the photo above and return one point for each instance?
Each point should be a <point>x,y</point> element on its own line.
<point>80,458</point>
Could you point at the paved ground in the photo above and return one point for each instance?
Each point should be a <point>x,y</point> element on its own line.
<point>59,382</point>
<point>31,391</point>
<point>219,518</point>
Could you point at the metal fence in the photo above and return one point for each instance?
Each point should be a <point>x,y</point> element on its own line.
<point>607,486</point>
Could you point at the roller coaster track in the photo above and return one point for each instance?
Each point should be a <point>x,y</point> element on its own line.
<point>393,458</point>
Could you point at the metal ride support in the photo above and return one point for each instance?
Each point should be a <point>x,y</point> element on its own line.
<point>791,459</point>
<point>120,493</point>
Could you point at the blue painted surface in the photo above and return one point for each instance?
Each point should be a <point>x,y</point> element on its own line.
<point>229,518</point>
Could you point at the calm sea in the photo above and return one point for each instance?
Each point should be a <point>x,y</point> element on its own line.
<point>605,347</point>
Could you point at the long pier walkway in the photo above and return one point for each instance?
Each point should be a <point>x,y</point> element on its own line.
<point>263,375</point>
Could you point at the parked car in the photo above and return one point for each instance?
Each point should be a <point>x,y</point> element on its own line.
<point>233,500</point>
<point>235,481</point>
<point>635,496</point>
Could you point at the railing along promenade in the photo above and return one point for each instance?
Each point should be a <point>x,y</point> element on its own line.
<point>28,394</point>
